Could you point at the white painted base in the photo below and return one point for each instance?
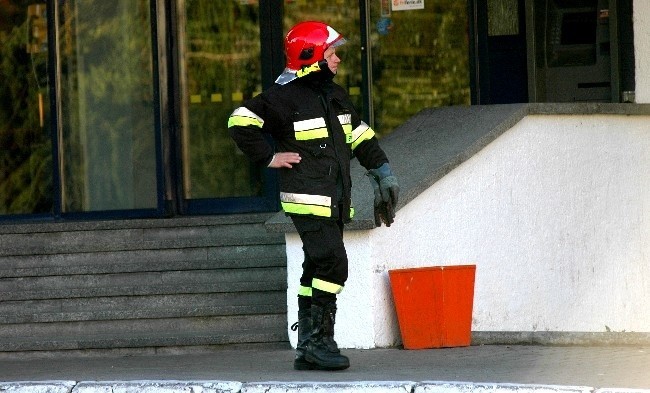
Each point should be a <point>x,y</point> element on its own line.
<point>555,214</point>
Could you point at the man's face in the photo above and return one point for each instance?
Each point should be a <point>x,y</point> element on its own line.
<point>332,59</point>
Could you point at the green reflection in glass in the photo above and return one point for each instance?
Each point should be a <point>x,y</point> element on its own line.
<point>419,57</point>
<point>25,147</point>
<point>219,51</point>
<point>419,60</point>
<point>107,141</point>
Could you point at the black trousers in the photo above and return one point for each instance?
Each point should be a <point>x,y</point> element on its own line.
<point>325,268</point>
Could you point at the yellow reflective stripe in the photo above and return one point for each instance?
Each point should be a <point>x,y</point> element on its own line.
<point>351,212</point>
<point>304,291</point>
<point>244,117</point>
<point>326,286</point>
<point>318,205</point>
<point>347,129</point>
<point>310,129</point>
<point>297,208</point>
<point>311,134</point>
<point>362,133</point>
<point>308,70</point>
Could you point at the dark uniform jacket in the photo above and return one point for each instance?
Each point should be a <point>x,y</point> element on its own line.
<point>313,117</point>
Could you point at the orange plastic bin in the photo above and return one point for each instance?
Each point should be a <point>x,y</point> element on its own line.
<point>434,305</point>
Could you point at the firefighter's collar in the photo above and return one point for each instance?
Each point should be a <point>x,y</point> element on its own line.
<point>289,75</point>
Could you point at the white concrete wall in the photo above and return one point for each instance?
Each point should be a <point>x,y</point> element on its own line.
<point>555,214</point>
<point>641,21</point>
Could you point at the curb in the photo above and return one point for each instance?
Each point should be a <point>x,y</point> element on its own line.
<point>466,387</point>
<point>290,387</point>
<point>329,387</point>
<point>38,387</point>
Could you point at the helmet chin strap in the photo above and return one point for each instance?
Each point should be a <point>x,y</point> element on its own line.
<point>318,71</point>
<point>326,72</point>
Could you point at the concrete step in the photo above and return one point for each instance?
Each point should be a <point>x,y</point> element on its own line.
<point>138,333</point>
<point>143,307</point>
<point>150,235</point>
<point>143,283</point>
<point>192,258</point>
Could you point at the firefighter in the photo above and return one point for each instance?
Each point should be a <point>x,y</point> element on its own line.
<point>316,132</point>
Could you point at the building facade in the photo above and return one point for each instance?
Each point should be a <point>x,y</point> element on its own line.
<point>119,109</point>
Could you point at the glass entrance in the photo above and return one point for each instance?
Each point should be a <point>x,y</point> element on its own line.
<point>219,67</point>
<point>81,126</point>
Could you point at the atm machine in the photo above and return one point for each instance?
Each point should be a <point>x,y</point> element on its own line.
<point>578,53</point>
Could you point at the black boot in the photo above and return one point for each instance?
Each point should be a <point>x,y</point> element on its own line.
<point>328,339</point>
<point>304,331</point>
<point>322,350</point>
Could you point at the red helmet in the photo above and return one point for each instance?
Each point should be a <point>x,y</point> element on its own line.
<point>306,42</point>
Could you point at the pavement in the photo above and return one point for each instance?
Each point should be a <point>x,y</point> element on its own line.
<point>474,369</point>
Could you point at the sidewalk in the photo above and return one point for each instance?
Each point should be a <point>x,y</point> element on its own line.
<point>490,368</point>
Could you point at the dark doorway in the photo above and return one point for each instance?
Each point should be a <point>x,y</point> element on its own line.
<point>498,61</point>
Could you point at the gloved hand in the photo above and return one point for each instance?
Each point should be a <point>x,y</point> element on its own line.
<point>386,189</point>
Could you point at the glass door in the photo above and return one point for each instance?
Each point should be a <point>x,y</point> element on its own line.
<point>108,108</point>
<point>219,66</point>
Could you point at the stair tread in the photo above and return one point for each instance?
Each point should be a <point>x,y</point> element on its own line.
<point>101,315</point>
<point>187,333</point>
<point>232,257</point>
<point>129,238</point>
<point>188,338</point>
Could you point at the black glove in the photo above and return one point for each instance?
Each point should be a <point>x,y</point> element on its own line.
<point>386,189</point>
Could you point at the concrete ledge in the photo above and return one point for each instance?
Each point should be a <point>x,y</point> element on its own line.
<point>467,387</point>
<point>45,226</point>
<point>331,387</point>
<point>301,387</point>
<point>37,387</point>
<point>621,390</point>
<point>158,387</point>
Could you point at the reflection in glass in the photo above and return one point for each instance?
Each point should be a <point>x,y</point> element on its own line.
<point>419,57</point>
<point>219,55</point>
<point>25,142</point>
<point>419,60</point>
<point>107,140</point>
<point>503,17</point>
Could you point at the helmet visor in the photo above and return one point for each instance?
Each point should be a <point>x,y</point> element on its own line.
<point>338,42</point>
